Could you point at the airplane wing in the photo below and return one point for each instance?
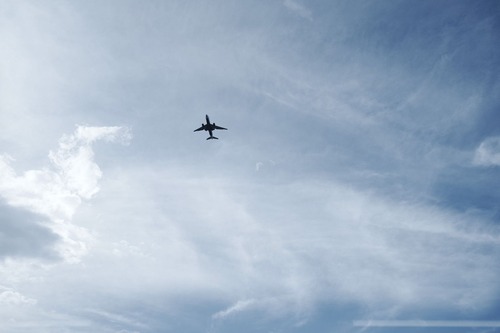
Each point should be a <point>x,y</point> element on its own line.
<point>200,129</point>
<point>219,128</point>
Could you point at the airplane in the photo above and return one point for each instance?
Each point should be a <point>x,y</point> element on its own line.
<point>209,127</point>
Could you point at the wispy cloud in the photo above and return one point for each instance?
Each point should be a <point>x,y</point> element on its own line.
<point>299,9</point>
<point>350,245</point>
<point>239,306</point>
<point>426,323</point>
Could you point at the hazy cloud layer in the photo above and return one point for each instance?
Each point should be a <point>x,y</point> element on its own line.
<point>349,246</point>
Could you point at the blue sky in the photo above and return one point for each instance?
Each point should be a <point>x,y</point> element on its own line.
<point>358,180</point>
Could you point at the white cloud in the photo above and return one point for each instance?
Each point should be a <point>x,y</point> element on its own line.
<point>57,191</point>
<point>11,297</point>
<point>488,152</point>
<point>74,158</point>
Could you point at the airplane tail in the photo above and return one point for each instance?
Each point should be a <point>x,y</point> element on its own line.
<point>212,137</point>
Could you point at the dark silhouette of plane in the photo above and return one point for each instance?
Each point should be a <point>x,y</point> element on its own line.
<point>209,127</point>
